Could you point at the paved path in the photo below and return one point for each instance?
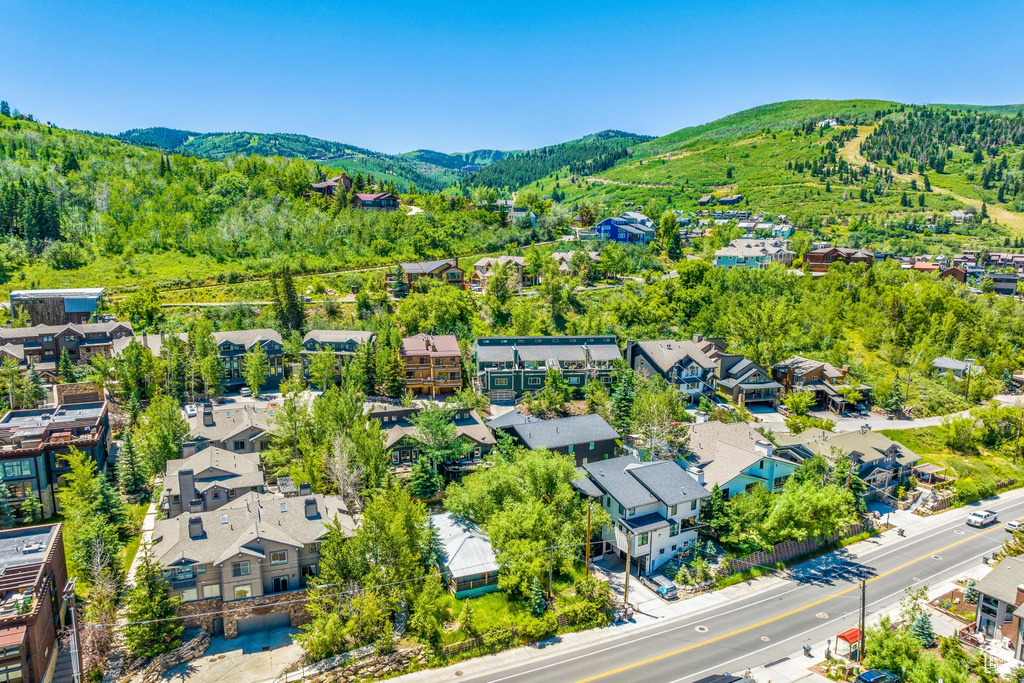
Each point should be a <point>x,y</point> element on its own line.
<point>761,624</point>
<point>148,522</point>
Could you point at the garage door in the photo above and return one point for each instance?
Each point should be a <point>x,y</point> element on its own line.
<point>263,622</point>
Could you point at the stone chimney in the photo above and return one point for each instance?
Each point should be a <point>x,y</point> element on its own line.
<point>186,485</point>
<point>207,416</point>
<point>305,489</point>
<point>195,505</point>
<point>195,527</point>
<point>310,508</point>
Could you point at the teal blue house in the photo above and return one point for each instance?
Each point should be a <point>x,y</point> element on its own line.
<point>469,566</point>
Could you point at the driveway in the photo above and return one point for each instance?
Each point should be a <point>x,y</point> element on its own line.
<point>246,659</point>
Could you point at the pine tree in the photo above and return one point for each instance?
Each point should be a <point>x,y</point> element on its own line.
<point>675,246</point>
<point>7,518</point>
<point>66,371</point>
<point>537,604</point>
<point>984,210</point>
<point>922,629</point>
<point>713,518</point>
<point>129,475</point>
<point>5,109</point>
<point>467,620</point>
<point>32,509</point>
<point>397,286</point>
<point>133,406</point>
<point>423,481</point>
<point>623,397</point>
<point>971,593</point>
<point>290,311</point>
<point>151,629</point>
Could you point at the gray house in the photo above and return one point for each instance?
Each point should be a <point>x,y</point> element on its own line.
<point>688,365</point>
<point>209,480</point>
<point>588,438</point>
<point>1000,594</point>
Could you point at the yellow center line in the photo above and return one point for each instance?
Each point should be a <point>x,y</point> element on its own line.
<point>787,614</point>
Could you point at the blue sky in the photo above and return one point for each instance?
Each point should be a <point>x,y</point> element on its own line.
<point>396,75</point>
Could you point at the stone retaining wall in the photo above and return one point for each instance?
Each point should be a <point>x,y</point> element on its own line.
<point>186,652</point>
<point>373,667</point>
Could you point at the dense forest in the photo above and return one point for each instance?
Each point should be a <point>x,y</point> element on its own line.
<point>591,154</point>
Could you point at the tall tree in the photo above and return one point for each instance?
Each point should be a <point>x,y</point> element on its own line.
<point>66,370</point>
<point>89,520</point>
<point>152,627</point>
<point>7,518</point>
<point>255,369</point>
<point>323,368</point>
<point>129,471</point>
<point>160,433</point>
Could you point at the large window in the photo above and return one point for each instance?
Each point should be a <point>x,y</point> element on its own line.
<point>211,590</point>
<point>243,592</point>
<point>189,595</point>
<point>643,539</point>
<point>17,468</point>
<point>11,673</point>
<point>240,568</point>
<point>279,557</point>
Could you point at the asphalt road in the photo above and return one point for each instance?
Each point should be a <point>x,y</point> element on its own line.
<point>820,600</point>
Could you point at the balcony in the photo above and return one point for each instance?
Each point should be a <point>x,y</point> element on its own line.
<point>183,584</point>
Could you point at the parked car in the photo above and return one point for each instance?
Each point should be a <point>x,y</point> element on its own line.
<point>877,676</point>
<point>191,410</point>
<point>666,587</point>
<point>982,518</point>
<point>1013,525</point>
<point>244,391</point>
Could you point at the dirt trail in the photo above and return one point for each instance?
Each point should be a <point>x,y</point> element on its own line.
<point>606,181</point>
<point>851,152</point>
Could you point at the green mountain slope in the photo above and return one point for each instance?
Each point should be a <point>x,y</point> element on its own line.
<point>587,154</point>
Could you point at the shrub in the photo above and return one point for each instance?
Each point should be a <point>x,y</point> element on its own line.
<point>536,628</point>
<point>965,491</point>
<point>65,256</point>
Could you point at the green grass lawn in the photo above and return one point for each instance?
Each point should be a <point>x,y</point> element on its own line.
<point>136,513</point>
<point>996,464</point>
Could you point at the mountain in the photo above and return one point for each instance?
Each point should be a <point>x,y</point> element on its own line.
<point>335,155</point>
<point>588,154</point>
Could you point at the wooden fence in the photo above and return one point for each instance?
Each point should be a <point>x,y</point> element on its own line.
<point>788,550</point>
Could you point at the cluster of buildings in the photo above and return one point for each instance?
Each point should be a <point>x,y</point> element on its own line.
<point>754,253</point>
<point>368,201</point>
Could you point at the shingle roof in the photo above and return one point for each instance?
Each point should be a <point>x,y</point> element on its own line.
<point>338,336</point>
<point>426,267</point>
<point>247,338</point>
<point>420,345</point>
<point>512,417</point>
<point>233,420</point>
<point>633,483</point>
<point>667,480</point>
<point>802,366</point>
<point>869,445</point>
<point>564,431</point>
<point>1001,583</point>
<point>215,467</point>
<point>665,353</point>
<point>723,450</point>
<point>248,520</point>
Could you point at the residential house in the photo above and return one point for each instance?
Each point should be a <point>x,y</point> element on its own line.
<point>1000,595</point>
<point>400,436</point>
<point>208,480</point>
<point>508,367</point>
<point>879,461</point>
<point>517,213</point>
<point>828,383</point>
<point>730,199</point>
<point>629,226</point>
<point>955,272</point>
<point>33,577</point>
<point>821,259</point>
<point>446,271</point>
<point>654,507</point>
<point>564,260</point>
<point>469,566</point>
<point>380,201</point>
<point>588,438</point>
<point>243,568</point>
<point>944,365</point>
<point>705,200</point>
<point>232,347</point>
<point>736,457</point>
<point>328,187</point>
<point>1004,284</point>
<point>485,267</point>
<point>342,343</point>
<point>753,253</point>
<point>433,364</point>
<point>960,216</point>
<point>688,365</point>
<point>744,381</point>
<point>57,306</point>
<point>41,346</point>
<point>239,428</point>
<point>32,443</point>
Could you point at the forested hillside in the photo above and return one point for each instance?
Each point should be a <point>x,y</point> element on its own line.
<point>84,209</point>
<point>590,154</point>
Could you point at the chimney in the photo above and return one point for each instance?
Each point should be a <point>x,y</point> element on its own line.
<point>698,338</point>
<point>207,416</point>
<point>701,417</point>
<point>195,505</point>
<point>305,489</point>
<point>186,484</point>
<point>311,511</point>
<point>697,474</point>
<point>764,448</point>
<point>195,527</point>
<point>1020,595</point>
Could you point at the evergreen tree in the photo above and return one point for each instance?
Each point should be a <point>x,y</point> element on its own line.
<point>623,397</point>
<point>537,604</point>
<point>151,629</point>
<point>675,246</point>
<point>32,509</point>
<point>984,210</point>
<point>66,371</point>
<point>7,518</point>
<point>129,473</point>
<point>423,481</point>
<point>971,592</point>
<point>361,371</point>
<point>255,369</point>
<point>922,629</point>
<point>5,109</point>
<point>713,516</point>
<point>133,406</point>
<point>396,287</point>
<point>290,311</point>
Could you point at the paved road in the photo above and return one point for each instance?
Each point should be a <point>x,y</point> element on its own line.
<point>819,600</point>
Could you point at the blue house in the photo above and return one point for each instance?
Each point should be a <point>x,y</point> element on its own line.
<point>629,226</point>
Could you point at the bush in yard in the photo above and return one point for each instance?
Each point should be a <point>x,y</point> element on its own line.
<point>537,604</point>
<point>971,593</point>
<point>922,629</point>
<point>965,491</point>
<point>536,628</point>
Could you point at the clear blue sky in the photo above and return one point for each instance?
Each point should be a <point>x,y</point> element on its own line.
<point>396,75</point>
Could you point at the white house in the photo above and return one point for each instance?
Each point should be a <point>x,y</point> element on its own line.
<point>654,507</point>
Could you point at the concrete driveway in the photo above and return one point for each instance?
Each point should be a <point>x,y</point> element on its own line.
<point>247,659</point>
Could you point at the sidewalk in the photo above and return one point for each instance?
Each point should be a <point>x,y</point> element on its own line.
<point>148,523</point>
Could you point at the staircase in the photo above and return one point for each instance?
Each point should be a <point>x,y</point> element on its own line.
<point>63,672</point>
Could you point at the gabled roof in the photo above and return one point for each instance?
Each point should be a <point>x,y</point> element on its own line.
<point>428,267</point>
<point>338,336</point>
<point>723,450</point>
<point>1001,583</point>
<point>564,431</point>
<point>869,446</point>
<point>633,483</point>
<point>802,366</point>
<point>215,467</point>
<point>431,345</point>
<point>247,338</point>
<point>233,420</point>
<point>467,548</point>
<point>665,353</point>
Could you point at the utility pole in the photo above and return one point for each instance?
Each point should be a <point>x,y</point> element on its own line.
<point>590,508</point>
<point>629,543</point>
<point>863,604</point>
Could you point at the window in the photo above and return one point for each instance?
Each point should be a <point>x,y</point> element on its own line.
<point>243,591</point>
<point>572,449</point>
<point>47,339</point>
<point>760,465</point>
<point>672,510</point>
<point>673,529</point>
<point>574,380</point>
<point>424,361</point>
<point>443,376</point>
<point>189,595</point>
<point>632,511</point>
<point>780,482</point>
<point>622,510</point>
<point>501,381</point>
<point>199,569</point>
<point>11,651</point>
<point>693,504</point>
<point>592,445</point>
<point>240,568</point>
<point>314,547</point>
<point>239,445</point>
<point>175,499</point>
<point>17,468</point>
<point>533,381</point>
<point>216,495</point>
<point>211,590</point>
<point>644,537</point>
<point>308,570</point>
<point>279,557</point>
<point>280,583</point>
<point>11,673</point>
<point>284,507</point>
<point>608,502</point>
